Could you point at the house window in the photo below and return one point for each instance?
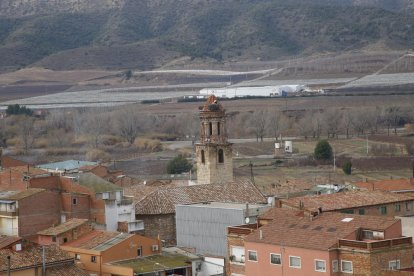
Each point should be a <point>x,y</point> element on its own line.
<point>77,256</point>
<point>369,235</point>
<point>407,206</point>
<point>347,211</point>
<point>93,259</point>
<point>394,265</point>
<point>218,128</point>
<point>275,259</point>
<point>252,256</point>
<point>294,262</point>
<point>65,240</point>
<point>74,201</point>
<point>237,254</point>
<point>335,266</point>
<point>346,267</point>
<point>220,156</point>
<point>203,157</point>
<point>361,211</point>
<point>53,239</point>
<point>320,265</point>
<point>210,127</point>
<point>139,251</point>
<point>383,210</point>
<point>397,207</point>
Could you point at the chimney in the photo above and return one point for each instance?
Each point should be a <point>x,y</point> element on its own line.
<point>247,210</point>
<point>260,234</point>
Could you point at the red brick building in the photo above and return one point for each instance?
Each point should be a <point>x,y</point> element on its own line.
<point>24,213</point>
<point>375,203</point>
<point>404,185</point>
<point>291,243</point>
<point>65,232</point>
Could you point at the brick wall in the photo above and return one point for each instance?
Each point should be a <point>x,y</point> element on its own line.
<point>234,240</point>
<point>164,225</point>
<point>38,212</point>
<point>372,263</point>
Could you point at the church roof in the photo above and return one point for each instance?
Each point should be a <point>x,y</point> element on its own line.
<point>164,200</point>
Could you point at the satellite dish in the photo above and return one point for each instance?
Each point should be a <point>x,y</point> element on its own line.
<point>247,220</point>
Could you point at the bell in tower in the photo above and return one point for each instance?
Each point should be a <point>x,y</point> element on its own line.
<point>214,152</point>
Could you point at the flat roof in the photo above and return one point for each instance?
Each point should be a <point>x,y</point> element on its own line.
<point>154,263</point>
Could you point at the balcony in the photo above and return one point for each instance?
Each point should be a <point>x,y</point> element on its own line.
<point>130,227</point>
<point>9,213</point>
<point>374,245</point>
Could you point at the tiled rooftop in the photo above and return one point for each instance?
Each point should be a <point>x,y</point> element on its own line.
<point>98,240</point>
<point>18,195</point>
<point>66,270</point>
<point>6,241</point>
<point>390,185</point>
<point>164,200</point>
<point>64,227</point>
<point>289,228</point>
<point>346,200</point>
<point>32,256</point>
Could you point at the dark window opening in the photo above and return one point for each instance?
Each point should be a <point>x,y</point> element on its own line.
<point>203,157</point>
<point>218,128</point>
<point>65,240</point>
<point>74,201</point>
<point>210,126</point>
<point>93,259</point>
<point>220,156</point>
<point>53,239</point>
<point>139,251</point>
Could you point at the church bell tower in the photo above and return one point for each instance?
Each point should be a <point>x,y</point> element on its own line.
<point>213,151</point>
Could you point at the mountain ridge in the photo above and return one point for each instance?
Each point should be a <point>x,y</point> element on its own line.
<point>122,33</point>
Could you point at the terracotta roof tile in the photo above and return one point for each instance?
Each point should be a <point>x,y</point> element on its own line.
<point>320,233</point>
<point>66,270</point>
<point>31,256</point>
<point>388,185</point>
<point>64,227</point>
<point>346,200</point>
<point>6,241</point>
<point>164,200</point>
<point>98,240</point>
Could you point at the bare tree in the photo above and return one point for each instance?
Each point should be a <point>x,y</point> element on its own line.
<point>304,125</point>
<point>331,118</point>
<point>128,125</point>
<point>97,126</point>
<point>346,121</point>
<point>317,124</point>
<point>258,122</point>
<point>27,131</point>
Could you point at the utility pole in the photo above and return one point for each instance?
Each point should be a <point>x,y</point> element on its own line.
<point>8,266</point>
<point>334,164</point>
<point>367,143</point>
<point>43,262</point>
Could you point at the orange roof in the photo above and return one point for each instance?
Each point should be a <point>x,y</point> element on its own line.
<point>293,230</point>
<point>64,227</point>
<point>6,241</point>
<point>98,240</point>
<point>346,200</point>
<point>391,185</point>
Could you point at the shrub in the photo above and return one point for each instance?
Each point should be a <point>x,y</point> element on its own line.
<point>97,155</point>
<point>178,165</point>
<point>347,167</point>
<point>323,150</point>
<point>148,144</point>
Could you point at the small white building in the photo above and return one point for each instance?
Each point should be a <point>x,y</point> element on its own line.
<point>258,91</point>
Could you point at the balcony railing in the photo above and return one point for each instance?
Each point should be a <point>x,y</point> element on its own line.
<point>373,245</point>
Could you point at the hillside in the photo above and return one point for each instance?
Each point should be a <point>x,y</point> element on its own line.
<point>118,34</point>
